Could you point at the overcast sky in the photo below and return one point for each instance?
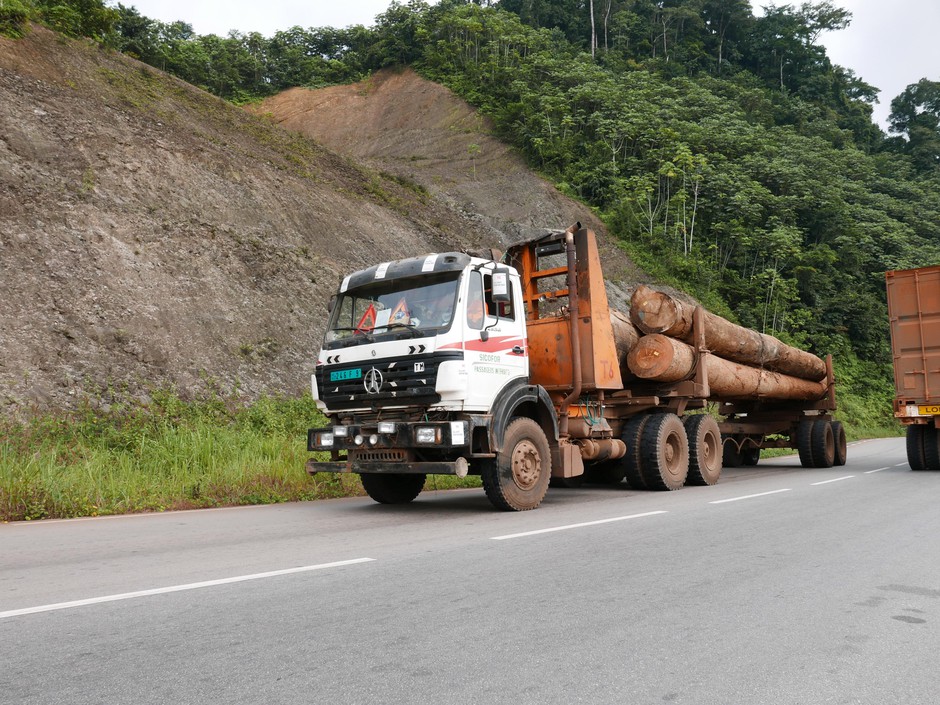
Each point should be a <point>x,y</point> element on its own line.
<point>888,44</point>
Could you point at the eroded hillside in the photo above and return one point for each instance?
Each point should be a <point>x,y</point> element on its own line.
<point>400,123</point>
<point>151,234</point>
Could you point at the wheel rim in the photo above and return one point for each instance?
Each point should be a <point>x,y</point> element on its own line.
<point>526,465</point>
<point>709,450</point>
<point>672,454</point>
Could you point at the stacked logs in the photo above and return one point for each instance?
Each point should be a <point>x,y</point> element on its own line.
<point>656,344</point>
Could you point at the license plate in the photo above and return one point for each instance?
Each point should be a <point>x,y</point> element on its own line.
<point>928,410</point>
<point>340,375</point>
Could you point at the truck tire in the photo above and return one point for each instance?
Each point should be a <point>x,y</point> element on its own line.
<point>730,453</point>
<point>804,442</point>
<point>705,449</point>
<point>823,444</point>
<point>517,479</point>
<point>664,453</point>
<point>931,448</point>
<point>838,433</point>
<point>915,447</point>
<point>392,489</point>
<point>631,435</point>
<point>750,455</point>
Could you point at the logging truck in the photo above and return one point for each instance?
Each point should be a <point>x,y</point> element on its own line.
<point>515,369</point>
<point>914,315</point>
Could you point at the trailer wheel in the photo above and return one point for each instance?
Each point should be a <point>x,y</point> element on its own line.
<point>392,489</point>
<point>931,448</point>
<point>631,435</point>
<point>838,433</point>
<point>915,447</point>
<point>705,450</point>
<point>750,456</point>
<point>730,453</point>
<point>804,442</point>
<point>823,444</point>
<point>664,451</point>
<point>517,479</point>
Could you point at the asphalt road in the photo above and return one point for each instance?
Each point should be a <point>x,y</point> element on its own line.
<point>778,585</point>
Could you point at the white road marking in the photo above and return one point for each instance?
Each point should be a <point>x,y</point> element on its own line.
<point>869,472</point>
<point>177,588</point>
<point>826,482</point>
<point>748,496</point>
<point>574,526</point>
<point>900,465</point>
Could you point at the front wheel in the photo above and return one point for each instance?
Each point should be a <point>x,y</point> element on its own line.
<point>392,489</point>
<point>517,479</point>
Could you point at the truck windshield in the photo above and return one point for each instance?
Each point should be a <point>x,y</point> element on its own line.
<point>415,307</point>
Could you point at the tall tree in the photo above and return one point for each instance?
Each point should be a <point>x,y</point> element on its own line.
<point>916,114</point>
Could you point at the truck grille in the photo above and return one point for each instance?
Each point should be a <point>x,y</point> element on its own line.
<point>400,381</point>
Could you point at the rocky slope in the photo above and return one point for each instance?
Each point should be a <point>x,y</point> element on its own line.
<point>151,234</point>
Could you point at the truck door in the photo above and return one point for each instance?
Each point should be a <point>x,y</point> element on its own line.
<point>495,342</point>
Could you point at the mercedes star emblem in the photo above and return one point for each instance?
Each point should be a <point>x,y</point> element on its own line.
<point>373,381</point>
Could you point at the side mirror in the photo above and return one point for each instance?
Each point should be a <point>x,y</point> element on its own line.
<point>501,285</point>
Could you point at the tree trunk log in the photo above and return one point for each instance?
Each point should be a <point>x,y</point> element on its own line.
<point>664,359</point>
<point>626,336</point>
<point>656,312</point>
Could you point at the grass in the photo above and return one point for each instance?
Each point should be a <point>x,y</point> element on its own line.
<point>163,455</point>
<point>120,455</point>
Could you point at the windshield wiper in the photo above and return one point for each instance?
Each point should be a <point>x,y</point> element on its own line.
<point>415,331</point>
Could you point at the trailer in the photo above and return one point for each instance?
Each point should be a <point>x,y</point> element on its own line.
<point>515,369</point>
<point>914,316</point>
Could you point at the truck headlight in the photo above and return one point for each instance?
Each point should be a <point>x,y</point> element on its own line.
<point>340,431</point>
<point>325,440</point>
<point>386,427</point>
<point>428,434</point>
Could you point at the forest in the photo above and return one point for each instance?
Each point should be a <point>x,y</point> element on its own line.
<point>723,149</point>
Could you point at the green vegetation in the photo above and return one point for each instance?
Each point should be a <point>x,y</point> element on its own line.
<point>167,454</point>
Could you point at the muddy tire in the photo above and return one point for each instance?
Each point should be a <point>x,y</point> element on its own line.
<point>804,442</point>
<point>664,453</point>
<point>705,449</point>
<point>517,479</point>
<point>392,489</point>
<point>824,444</point>
<point>838,434</point>
<point>631,435</point>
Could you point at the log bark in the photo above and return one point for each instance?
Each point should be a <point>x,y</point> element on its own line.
<point>664,359</point>
<point>626,336</point>
<point>656,312</point>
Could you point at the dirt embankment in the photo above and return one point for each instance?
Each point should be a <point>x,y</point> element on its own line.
<point>398,122</point>
<point>152,234</point>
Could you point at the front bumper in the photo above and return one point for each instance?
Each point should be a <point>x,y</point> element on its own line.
<point>458,467</point>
